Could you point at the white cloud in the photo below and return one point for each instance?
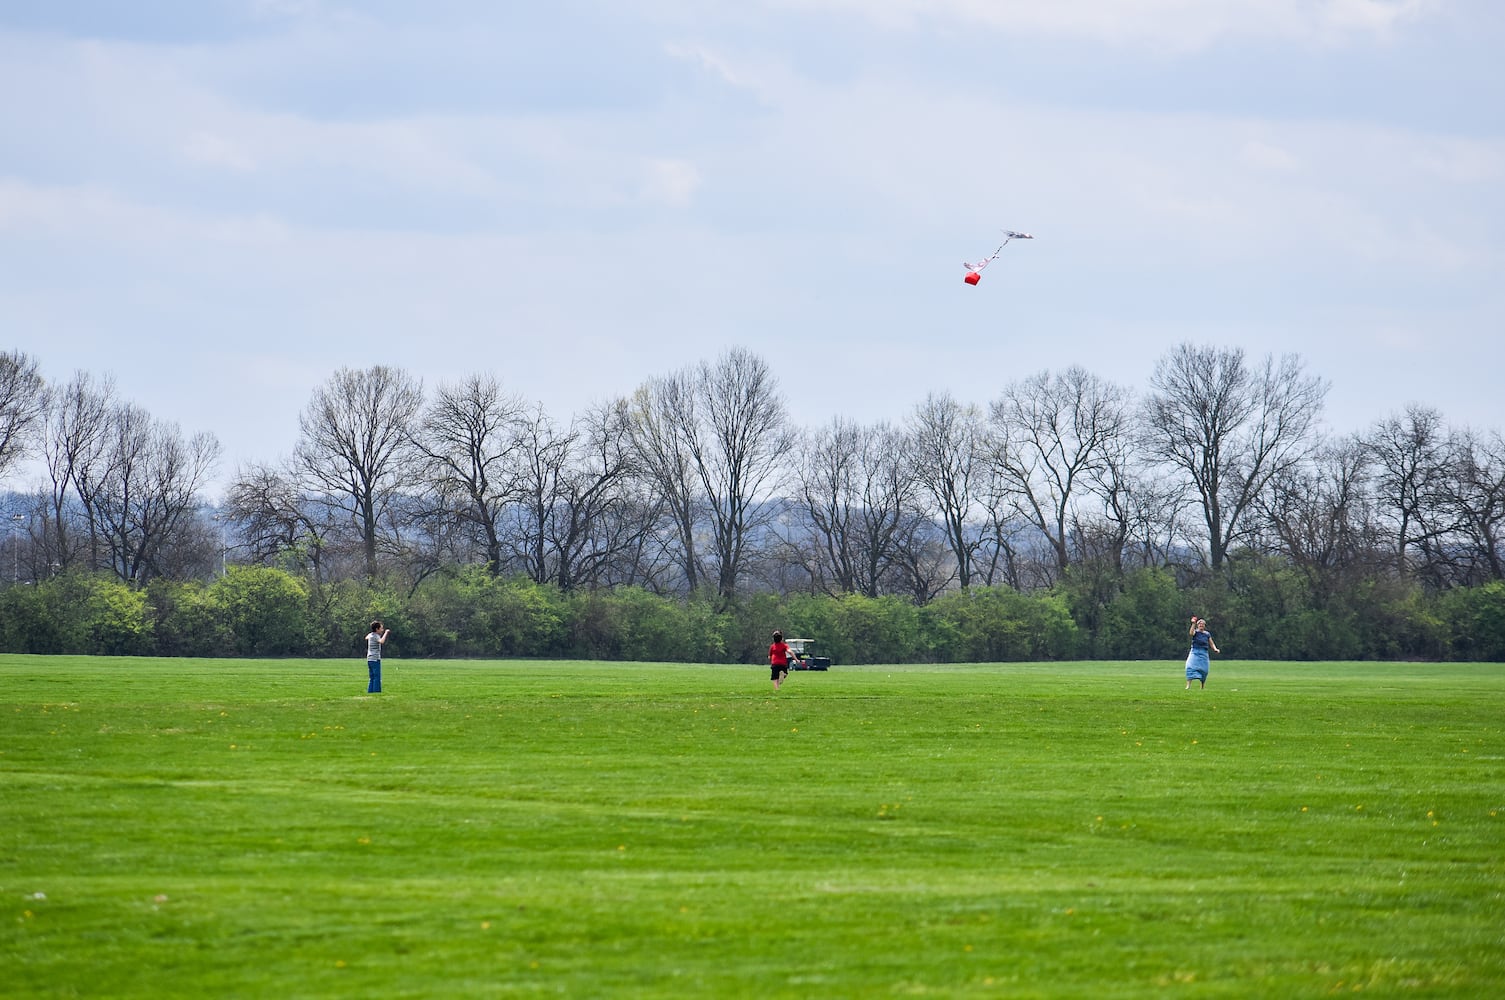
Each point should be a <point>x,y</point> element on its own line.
<point>707,59</point>
<point>671,182</point>
<point>74,212</point>
<point>1461,161</point>
<point>192,199</point>
<point>1162,24</point>
<point>1266,156</point>
<point>212,150</point>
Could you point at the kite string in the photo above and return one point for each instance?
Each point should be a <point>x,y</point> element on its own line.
<point>1008,236</point>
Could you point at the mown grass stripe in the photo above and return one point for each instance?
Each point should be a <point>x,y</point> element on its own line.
<point>260,828</point>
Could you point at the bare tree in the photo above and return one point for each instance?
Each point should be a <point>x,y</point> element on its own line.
<point>646,556</point>
<point>1321,514</point>
<point>576,517</point>
<point>22,405</point>
<point>1415,483</point>
<point>1139,520</point>
<point>356,446</point>
<point>949,448</point>
<point>714,440</point>
<point>1008,550</point>
<point>543,455</point>
<point>594,520</point>
<point>924,565</point>
<point>1481,504</point>
<point>664,418</point>
<point>143,493</point>
<point>1229,429</point>
<point>73,441</point>
<point>739,455</point>
<point>1053,439</point>
<point>856,484</point>
<point>469,436</point>
<point>276,518</point>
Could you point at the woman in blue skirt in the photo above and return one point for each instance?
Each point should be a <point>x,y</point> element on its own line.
<point>1196,660</point>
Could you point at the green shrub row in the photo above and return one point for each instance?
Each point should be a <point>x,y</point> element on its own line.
<point>263,612</point>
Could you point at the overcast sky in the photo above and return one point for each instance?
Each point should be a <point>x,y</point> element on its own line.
<point>221,202</point>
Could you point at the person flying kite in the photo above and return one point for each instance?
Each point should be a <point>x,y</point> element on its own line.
<point>974,271</point>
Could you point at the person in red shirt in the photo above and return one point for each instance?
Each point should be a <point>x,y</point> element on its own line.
<point>778,660</point>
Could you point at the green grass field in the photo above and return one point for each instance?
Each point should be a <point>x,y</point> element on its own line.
<point>203,828</point>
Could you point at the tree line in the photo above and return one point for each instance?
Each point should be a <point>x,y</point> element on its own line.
<point>259,611</point>
<point>697,491</point>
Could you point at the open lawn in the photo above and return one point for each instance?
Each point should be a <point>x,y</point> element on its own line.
<point>224,828</point>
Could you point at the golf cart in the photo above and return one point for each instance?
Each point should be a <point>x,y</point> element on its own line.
<point>800,661</point>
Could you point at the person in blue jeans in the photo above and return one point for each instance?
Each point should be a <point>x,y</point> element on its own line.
<point>374,642</point>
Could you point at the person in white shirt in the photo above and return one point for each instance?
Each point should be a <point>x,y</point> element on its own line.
<point>374,641</point>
